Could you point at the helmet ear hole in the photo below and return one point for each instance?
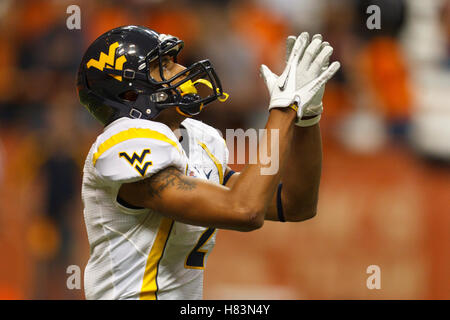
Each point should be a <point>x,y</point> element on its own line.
<point>130,95</point>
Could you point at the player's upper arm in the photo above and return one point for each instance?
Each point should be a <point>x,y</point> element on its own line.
<point>132,152</point>
<point>193,201</point>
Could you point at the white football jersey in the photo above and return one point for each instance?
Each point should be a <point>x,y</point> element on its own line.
<point>137,253</point>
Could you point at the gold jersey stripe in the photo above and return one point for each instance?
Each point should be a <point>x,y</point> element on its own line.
<point>214,159</point>
<point>130,134</point>
<point>149,284</point>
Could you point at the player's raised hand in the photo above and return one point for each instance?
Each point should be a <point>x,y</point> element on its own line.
<point>316,60</point>
<point>304,76</point>
<point>282,88</point>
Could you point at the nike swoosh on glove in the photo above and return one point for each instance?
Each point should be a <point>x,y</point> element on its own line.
<point>314,109</point>
<point>311,59</point>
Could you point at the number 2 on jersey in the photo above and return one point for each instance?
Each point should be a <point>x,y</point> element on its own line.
<point>196,258</point>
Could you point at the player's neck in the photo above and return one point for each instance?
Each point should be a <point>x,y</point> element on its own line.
<point>172,120</point>
<point>174,125</point>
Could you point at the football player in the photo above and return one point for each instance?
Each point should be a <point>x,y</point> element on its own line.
<point>151,213</point>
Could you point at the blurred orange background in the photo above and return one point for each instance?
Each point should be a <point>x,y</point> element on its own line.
<point>384,197</point>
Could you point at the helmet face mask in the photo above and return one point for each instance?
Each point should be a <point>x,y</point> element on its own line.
<point>107,74</point>
<point>169,47</point>
<point>190,89</point>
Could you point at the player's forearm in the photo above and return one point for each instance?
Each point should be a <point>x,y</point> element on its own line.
<point>241,207</point>
<point>301,177</point>
<point>253,189</point>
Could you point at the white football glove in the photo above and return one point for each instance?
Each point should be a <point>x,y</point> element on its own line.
<point>282,89</point>
<point>305,75</point>
<point>314,109</point>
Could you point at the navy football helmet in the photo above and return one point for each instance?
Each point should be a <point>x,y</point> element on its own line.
<point>117,64</point>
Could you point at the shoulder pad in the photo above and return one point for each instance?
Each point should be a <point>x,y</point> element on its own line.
<point>203,131</point>
<point>210,140</point>
<point>136,149</point>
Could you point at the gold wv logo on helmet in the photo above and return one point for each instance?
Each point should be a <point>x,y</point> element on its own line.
<point>109,60</point>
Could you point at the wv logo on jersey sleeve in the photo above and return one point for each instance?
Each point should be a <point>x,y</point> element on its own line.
<point>139,166</point>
